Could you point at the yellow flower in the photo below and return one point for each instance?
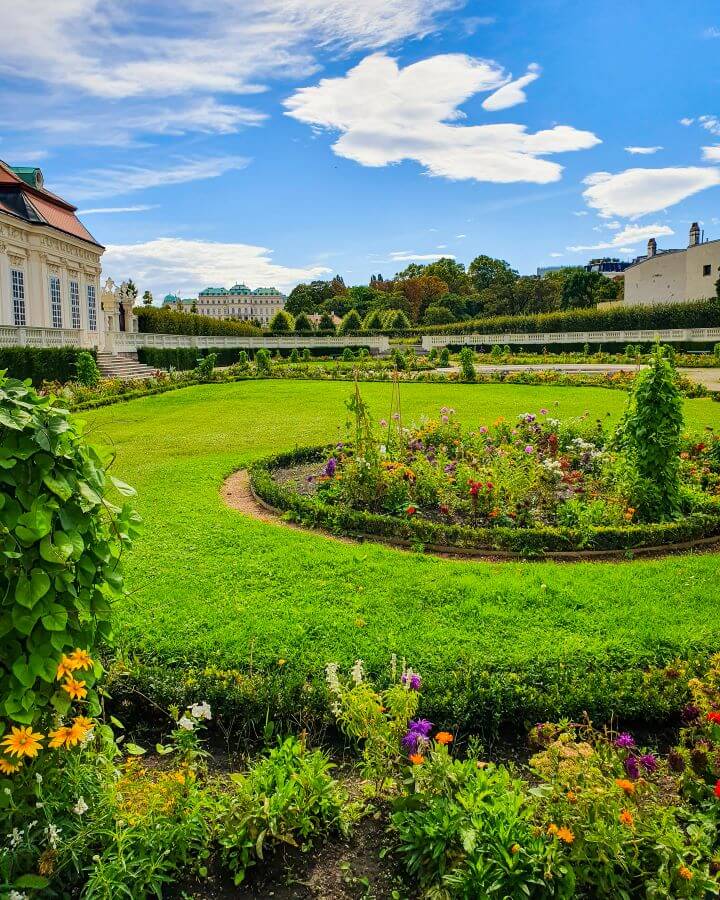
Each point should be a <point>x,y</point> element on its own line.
<point>83,722</point>
<point>565,835</point>
<point>685,873</point>
<point>552,828</point>
<point>65,667</point>
<point>65,736</point>
<point>80,659</point>
<point>22,742</point>
<point>7,767</point>
<point>516,848</point>
<point>76,689</point>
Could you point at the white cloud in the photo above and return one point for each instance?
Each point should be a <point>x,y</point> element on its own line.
<point>472,23</point>
<point>173,264</point>
<point>581,212</point>
<point>459,237</point>
<point>557,255</point>
<point>643,151</point>
<point>686,121</point>
<point>710,123</point>
<point>386,115</point>
<point>712,32</point>
<point>116,180</point>
<point>636,192</point>
<point>512,93</point>
<point>631,234</point>
<point>114,209</point>
<point>410,256</point>
<point>711,154</point>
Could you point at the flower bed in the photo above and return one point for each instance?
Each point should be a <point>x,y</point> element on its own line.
<point>533,486</point>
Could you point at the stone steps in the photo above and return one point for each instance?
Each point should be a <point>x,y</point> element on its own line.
<point>123,365</point>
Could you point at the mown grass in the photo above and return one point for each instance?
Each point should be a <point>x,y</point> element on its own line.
<point>495,642</point>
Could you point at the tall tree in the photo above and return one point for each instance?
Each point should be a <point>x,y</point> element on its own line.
<point>421,292</point>
<point>486,272</point>
<point>452,273</point>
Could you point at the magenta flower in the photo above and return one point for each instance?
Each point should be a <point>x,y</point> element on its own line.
<point>413,681</point>
<point>529,449</point>
<point>632,768</point>
<point>445,420</point>
<point>648,762</point>
<point>421,726</point>
<point>543,411</point>
<point>396,417</point>
<point>625,741</point>
<point>330,467</point>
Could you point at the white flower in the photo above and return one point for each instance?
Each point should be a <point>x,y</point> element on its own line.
<point>186,723</point>
<point>53,835</point>
<point>16,895</point>
<point>393,666</point>
<point>16,837</point>
<point>38,778</point>
<point>201,710</point>
<point>331,676</point>
<point>8,792</point>
<point>357,671</point>
<point>80,807</point>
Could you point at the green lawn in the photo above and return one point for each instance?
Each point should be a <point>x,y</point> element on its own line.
<point>208,584</point>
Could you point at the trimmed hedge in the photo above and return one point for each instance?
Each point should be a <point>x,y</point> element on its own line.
<point>418,531</point>
<point>698,314</point>
<point>152,320</point>
<point>41,363</point>
<point>184,358</point>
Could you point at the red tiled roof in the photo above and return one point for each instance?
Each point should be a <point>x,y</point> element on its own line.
<point>61,218</point>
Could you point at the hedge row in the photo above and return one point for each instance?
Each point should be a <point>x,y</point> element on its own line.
<point>418,531</point>
<point>152,320</point>
<point>40,363</point>
<point>184,358</point>
<point>698,314</point>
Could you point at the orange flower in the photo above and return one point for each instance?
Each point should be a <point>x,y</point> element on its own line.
<point>65,736</point>
<point>76,689</point>
<point>685,873</point>
<point>7,767</point>
<point>626,818</point>
<point>83,722</point>
<point>417,759</point>
<point>565,835</point>
<point>627,786</point>
<point>65,667</point>
<point>516,848</point>
<point>22,742</point>
<point>80,659</point>
<point>571,797</point>
<point>443,737</point>
<point>552,828</point>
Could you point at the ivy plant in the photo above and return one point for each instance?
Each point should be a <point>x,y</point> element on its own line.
<point>61,540</point>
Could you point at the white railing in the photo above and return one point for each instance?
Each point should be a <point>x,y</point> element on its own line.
<point>124,342</point>
<point>32,336</point>
<point>694,335</point>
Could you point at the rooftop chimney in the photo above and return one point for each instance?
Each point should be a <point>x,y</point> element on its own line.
<point>652,247</point>
<point>694,234</point>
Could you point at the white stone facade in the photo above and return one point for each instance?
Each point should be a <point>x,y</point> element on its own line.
<point>238,302</point>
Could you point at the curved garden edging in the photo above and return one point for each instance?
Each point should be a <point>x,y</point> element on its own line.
<point>699,530</point>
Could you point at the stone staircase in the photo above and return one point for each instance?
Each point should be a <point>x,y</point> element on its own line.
<point>122,365</point>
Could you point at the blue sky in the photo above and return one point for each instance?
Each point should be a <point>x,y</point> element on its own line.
<point>272,141</point>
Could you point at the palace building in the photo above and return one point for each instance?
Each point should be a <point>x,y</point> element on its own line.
<point>49,262</point>
<point>237,302</point>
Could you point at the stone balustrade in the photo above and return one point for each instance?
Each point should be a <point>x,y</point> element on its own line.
<point>667,335</point>
<point>123,342</point>
<point>32,336</point>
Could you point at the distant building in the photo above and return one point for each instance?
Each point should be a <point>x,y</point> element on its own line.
<point>316,319</point>
<point>49,263</point>
<point>545,270</point>
<point>609,266</point>
<point>674,276</point>
<point>237,302</point>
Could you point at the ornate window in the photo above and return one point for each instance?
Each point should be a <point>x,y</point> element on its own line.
<point>17,277</point>
<point>92,308</point>
<point>55,302</point>
<point>75,304</point>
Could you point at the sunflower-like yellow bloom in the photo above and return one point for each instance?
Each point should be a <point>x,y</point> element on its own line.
<point>65,736</point>
<point>7,767</point>
<point>80,659</point>
<point>22,742</point>
<point>76,689</point>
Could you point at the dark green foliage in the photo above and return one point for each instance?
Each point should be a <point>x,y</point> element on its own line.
<point>396,320</point>
<point>399,360</point>
<point>294,355</point>
<point>348,355</point>
<point>373,321</point>
<point>650,434</point>
<point>205,366</point>
<point>262,362</point>
<point>41,363</point>
<point>185,358</point>
<point>351,323</point>
<point>700,314</point>
<point>61,540</point>
<point>282,322</point>
<point>242,360</point>
<point>303,325</point>
<point>166,321</point>
<point>467,364</point>
<point>438,315</point>
<point>326,323</point>
<point>306,355</point>
<point>87,371</point>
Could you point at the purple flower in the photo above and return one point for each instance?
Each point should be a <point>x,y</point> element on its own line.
<point>632,768</point>
<point>690,713</point>
<point>410,741</point>
<point>413,681</point>
<point>648,762</point>
<point>543,411</point>
<point>421,726</point>
<point>625,741</point>
<point>529,449</point>
<point>330,467</point>
<point>483,429</point>
<point>445,420</point>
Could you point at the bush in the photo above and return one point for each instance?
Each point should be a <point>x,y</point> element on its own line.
<point>698,314</point>
<point>303,325</point>
<point>205,367</point>
<point>306,355</point>
<point>373,321</point>
<point>438,315</point>
<point>41,363</point>
<point>282,322</point>
<point>185,358</point>
<point>399,361</point>
<point>326,324</point>
<point>294,356</point>
<point>396,320</point>
<point>351,323</point>
<point>262,362</point>
<point>467,364</point>
<point>444,360</point>
<point>166,321</point>
<point>348,355</point>
<point>243,362</point>
<point>87,370</point>
<point>62,546</point>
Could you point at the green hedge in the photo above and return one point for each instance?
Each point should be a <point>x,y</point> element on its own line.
<point>185,358</point>
<point>40,363</point>
<point>418,531</point>
<point>698,314</point>
<point>152,320</point>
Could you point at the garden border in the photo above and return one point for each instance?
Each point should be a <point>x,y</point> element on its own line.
<point>422,534</point>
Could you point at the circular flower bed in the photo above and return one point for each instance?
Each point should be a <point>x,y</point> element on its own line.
<point>531,486</point>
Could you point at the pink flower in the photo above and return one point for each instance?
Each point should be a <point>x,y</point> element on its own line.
<point>529,449</point>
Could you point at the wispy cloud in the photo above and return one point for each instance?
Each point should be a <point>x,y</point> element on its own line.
<point>107,210</point>
<point>631,234</point>
<point>636,192</point>
<point>410,256</point>
<point>116,180</point>
<point>711,154</point>
<point>642,151</point>
<point>512,93</point>
<point>712,32</point>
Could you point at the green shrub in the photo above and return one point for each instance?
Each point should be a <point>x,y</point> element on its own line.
<point>205,366</point>
<point>62,544</point>
<point>303,325</point>
<point>496,353</point>
<point>399,361</point>
<point>351,323</point>
<point>262,362</point>
<point>396,320</point>
<point>282,322</point>
<point>444,358</point>
<point>348,355</point>
<point>289,797</point>
<point>467,364</point>
<point>166,321</point>
<point>373,321</point>
<point>294,356</point>
<point>87,370</point>
<point>243,361</point>
<point>306,355</point>
<point>326,323</point>
<point>41,363</point>
<point>185,358</point>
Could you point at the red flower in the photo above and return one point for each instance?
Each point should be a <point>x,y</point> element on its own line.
<point>444,509</point>
<point>714,717</point>
<point>474,488</point>
<point>411,510</point>
<point>717,789</point>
